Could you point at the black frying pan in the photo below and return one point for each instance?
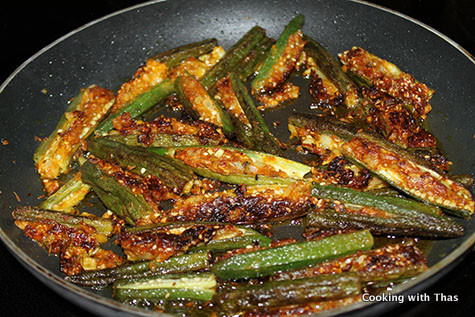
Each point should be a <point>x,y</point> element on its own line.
<point>91,57</point>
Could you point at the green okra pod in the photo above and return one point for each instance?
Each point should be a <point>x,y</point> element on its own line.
<point>186,286</point>
<point>292,256</point>
<point>233,57</point>
<point>163,140</point>
<point>194,261</point>
<point>260,135</point>
<point>117,197</point>
<point>388,263</point>
<point>177,55</point>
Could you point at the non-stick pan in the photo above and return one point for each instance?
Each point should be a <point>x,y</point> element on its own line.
<point>107,51</point>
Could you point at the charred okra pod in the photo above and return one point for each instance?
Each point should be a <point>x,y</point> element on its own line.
<point>292,256</point>
<point>237,166</point>
<point>329,69</point>
<point>194,286</point>
<point>245,205</point>
<point>75,239</point>
<point>177,264</point>
<point>233,237</point>
<point>162,140</point>
<point>102,226</point>
<point>165,131</point>
<point>393,164</point>
<point>289,292</point>
<point>161,241</point>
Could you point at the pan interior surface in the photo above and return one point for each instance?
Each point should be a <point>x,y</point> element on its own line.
<point>108,51</point>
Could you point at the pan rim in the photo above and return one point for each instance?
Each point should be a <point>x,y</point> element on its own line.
<point>101,300</point>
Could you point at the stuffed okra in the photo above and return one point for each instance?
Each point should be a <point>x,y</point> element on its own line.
<point>235,165</point>
<point>171,173</point>
<point>281,58</point>
<point>249,126</point>
<point>408,173</point>
<point>349,208</point>
<point>53,156</point>
<point>199,104</point>
<point>68,195</point>
<point>327,77</point>
<point>76,239</point>
<point>245,205</point>
<point>164,132</point>
<point>385,76</point>
<point>393,164</point>
<point>128,195</point>
<point>151,83</point>
<point>161,241</point>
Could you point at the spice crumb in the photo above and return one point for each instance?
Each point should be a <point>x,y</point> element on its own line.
<point>4,141</point>
<point>17,197</point>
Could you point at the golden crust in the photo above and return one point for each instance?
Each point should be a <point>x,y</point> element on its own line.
<point>147,76</point>
<point>78,248</point>
<point>388,78</point>
<point>94,104</point>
